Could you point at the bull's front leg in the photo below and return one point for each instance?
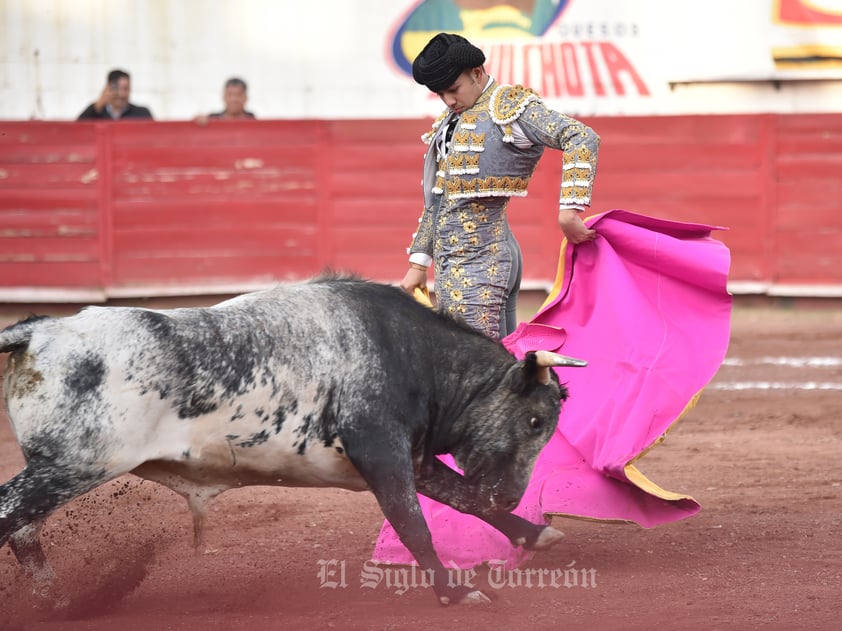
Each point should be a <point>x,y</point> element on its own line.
<point>443,484</point>
<point>388,472</point>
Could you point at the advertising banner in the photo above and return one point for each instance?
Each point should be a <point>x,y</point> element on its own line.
<point>807,38</point>
<point>604,56</point>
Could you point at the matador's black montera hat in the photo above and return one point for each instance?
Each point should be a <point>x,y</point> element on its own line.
<point>443,59</point>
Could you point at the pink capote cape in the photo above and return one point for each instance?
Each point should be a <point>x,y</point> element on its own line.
<point>646,305</point>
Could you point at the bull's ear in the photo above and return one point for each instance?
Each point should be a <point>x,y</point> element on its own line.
<point>537,364</point>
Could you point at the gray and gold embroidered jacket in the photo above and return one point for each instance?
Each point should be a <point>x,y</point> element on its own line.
<point>483,160</point>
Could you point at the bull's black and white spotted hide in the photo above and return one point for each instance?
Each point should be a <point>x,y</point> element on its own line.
<point>332,382</point>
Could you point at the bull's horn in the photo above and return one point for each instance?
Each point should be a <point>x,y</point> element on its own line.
<point>546,359</point>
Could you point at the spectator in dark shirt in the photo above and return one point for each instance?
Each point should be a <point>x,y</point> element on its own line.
<point>113,103</point>
<point>235,96</point>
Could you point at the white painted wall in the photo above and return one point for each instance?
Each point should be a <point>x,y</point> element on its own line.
<point>330,58</point>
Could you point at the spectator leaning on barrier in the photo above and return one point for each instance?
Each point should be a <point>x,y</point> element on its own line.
<point>482,151</point>
<point>234,96</point>
<point>113,103</point>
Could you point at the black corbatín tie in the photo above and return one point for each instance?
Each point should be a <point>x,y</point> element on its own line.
<point>449,133</point>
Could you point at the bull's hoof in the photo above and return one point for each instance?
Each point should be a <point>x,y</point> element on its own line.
<point>50,598</point>
<point>48,595</point>
<point>549,537</point>
<point>475,597</point>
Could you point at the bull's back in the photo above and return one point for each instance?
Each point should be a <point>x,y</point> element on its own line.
<point>249,388</point>
<point>265,383</point>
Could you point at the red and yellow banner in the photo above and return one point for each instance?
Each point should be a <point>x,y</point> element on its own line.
<point>808,34</point>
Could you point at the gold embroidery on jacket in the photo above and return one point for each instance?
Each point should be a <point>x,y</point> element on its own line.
<point>456,163</point>
<point>491,186</point>
<point>469,120</point>
<point>509,101</point>
<point>576,175</point>
<point>472,163</point>
<point>477,142</point>
<point>460,140</point>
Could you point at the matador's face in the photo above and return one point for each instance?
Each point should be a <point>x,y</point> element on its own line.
<point>465,90</point>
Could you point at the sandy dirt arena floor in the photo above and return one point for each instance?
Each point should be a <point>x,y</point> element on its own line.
<point>760,452</point>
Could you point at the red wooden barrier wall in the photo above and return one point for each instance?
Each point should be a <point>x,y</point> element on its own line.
<point>95,210</point>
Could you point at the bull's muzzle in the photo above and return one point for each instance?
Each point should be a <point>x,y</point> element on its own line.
<point>504,498</point>
<point>505,505</point>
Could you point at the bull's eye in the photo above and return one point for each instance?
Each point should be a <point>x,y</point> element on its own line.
<point>535,422</point>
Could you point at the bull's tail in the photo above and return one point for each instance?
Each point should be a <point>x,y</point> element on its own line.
<point>16,337</point>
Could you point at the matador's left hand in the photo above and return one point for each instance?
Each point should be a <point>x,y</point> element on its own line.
<point>573,227</point>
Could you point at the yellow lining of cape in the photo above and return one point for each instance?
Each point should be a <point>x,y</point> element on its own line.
<point>423,296</point>
<point>559,279</point>
<point>636,477</point>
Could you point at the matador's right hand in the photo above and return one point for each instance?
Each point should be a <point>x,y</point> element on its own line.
<point>414,278</point>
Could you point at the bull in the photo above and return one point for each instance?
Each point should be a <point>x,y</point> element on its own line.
<point>332,382</point>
